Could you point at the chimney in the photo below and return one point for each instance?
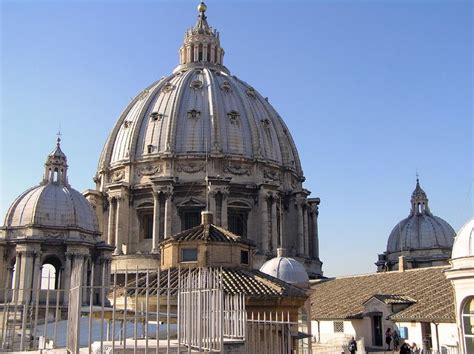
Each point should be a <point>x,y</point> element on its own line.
<point>401,263</point>
<point>207,217</point>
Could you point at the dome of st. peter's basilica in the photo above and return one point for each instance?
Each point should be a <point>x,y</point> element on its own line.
<point>201,136</point>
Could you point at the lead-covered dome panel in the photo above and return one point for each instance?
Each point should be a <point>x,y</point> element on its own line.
<point>420,232</point>
<point>52,206</point>
<point>196,111</point>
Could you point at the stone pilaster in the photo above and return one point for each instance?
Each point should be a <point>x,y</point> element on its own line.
<point>314,205</point>
<point>111,224</point>
<point>274,221</point>
<point>306,230</point>
<point>300,231</point>
<point>156,222</point>
<point>168,212</point>
<point>118,229</point>
<point>263,203</point>
<point>67,277</point>
<point>224,215</point>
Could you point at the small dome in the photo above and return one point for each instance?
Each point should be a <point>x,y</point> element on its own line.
<point>422,231</point>
<point>286,269</point>
<point>464,241</point>
<point>52,205</point>
<point>424,239</point>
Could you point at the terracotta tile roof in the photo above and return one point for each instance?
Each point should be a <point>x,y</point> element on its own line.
<point>252,283</point>
<point>208,232</point>
<point>344,298</point>
<point>394,299</point>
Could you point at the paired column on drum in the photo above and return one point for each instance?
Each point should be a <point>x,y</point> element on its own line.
<point>268,199</point>
<point>156,221</point>
<point>218,190</point>
<point>305,233</point>
<point>313,217</point>
<point>163,191</point>
<point>118,221</point>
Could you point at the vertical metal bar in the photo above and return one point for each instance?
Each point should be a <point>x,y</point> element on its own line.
<point>221,317</point>
<point>178,310</point>
<point>188,311</point>
<point>56,316</point>
<point>47,310</point>
<point>199,334</point>
<point>290,345</point>
<point>102,301</point>
<point>91,299</point>
<point>168,312</point>
<point>124,325</point>
<point>5,307</point>
<point>146,308</point>
<point>114,295</point>
<point>23,324</point>
<point>158,284</point>
<point>38,292</point>
<point>135,326</point>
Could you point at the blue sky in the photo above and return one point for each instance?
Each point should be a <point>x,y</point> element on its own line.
<point>372,91</point>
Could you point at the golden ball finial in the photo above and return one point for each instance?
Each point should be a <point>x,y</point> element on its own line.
<point>202,7</point>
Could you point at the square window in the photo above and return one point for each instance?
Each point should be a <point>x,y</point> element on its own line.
<point>244,257</point>
<point>189,254</point>
<point>338,326</point>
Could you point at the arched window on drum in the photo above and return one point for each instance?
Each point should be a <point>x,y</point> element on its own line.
<point>467,318</point>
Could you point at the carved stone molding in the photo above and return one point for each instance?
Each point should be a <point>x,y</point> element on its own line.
<point>196,84</point>
<point>194,114</point>
<point>117,176</point>
<point>148,170</point>
<point>225,87</point>
<point>251,92</point>
<point>191,167</point>
<point>167,88</point>
<point>271,175</point>
<point>155,116</point>
<point>233,117</point>
<point>237,170</point>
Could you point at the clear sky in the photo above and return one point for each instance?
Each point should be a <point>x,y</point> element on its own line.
<point>372,91</point>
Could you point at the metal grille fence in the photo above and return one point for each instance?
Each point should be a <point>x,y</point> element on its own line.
<point>179,311</point>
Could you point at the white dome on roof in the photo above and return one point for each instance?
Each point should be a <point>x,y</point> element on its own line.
<point>286,269</point>
<point>464,241</point>
<point>53,204</point>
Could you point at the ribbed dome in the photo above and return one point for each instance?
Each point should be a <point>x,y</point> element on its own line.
<point>420,232</point>
<point>198,110</point>
<point>286,269</point>
<point>464,241</point>
<point>52,205</point>
<point>421,229</point>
